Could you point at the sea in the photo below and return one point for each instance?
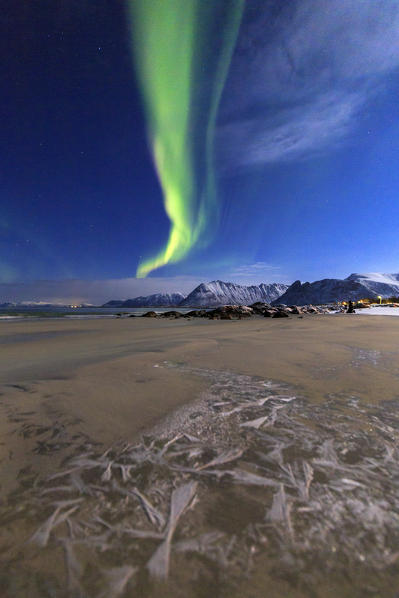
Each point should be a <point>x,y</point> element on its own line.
<point>85,313</point>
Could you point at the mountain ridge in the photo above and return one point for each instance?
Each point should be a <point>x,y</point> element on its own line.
<point>354,287</point>
<point>327,290</point>
<point>155,300</point>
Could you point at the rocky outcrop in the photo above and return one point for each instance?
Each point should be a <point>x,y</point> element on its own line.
<point>230,312</point>
<point>196,313</point>
<point>260,308</point>
<point>234,312</point>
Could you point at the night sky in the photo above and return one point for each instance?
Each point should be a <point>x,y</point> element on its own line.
<point>305,148</point>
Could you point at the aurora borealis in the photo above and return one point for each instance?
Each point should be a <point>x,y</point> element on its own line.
<point>182,141</point>
<point>170,42</point>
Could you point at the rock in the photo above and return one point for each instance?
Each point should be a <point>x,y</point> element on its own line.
<point>150,314</point>
<point>196,313</point>
<point>259,307</point>
<point>213,316</point>
<point>280,314</point>
<point>229,312</point>
<point>296,310</point>
<point>226,316</point>
<point>269,313</point>
<point>171,314</point>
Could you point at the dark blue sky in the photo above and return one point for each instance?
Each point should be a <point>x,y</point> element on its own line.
<point>307,142</point>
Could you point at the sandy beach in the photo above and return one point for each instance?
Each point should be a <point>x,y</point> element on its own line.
<point>70,388</point>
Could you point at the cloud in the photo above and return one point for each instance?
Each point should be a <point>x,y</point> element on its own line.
<point>302,130</point>
<point>256,273</point>
<point>303,72</point>
<point>93,291</point>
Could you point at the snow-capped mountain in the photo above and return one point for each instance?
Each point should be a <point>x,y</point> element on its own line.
<point>227,293</point>
<point>156,300</point>
<point>385,285</point>
<point>356,286</point>
<point>217,292</point>
<point>323,291</point>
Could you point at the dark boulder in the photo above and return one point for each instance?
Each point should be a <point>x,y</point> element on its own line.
<point>230,312</point>
<point>150,314</point>
<point>213,316</point>
<point>269,313</point>
<point>196,313</point>
<point>280,314</point>
<point>171,314</point>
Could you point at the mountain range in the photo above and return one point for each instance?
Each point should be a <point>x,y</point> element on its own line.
<point>211,294</point>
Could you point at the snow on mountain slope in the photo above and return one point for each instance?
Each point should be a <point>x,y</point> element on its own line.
<point>385,285</point>
<point>376,277</point>
<point>356,286</point>
<point>218,292</point>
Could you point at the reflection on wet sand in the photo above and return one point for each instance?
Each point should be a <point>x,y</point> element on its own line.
<point>252,487</point>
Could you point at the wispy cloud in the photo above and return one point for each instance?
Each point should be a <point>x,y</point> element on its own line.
<point>256,273</point>
<point>303,72</point>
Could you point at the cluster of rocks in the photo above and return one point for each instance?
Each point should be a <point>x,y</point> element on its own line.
<point>239,312</point>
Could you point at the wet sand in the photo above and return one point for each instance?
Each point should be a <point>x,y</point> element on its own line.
<point>73,387</point>
<point>96,378</point>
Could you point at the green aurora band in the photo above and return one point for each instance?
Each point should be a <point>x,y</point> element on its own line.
<point>177,58</point>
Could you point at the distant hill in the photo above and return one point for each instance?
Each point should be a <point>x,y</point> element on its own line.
<point>156,300</point>
<point>29,305</point>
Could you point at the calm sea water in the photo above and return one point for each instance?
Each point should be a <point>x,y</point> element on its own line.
<point>18,313</point>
